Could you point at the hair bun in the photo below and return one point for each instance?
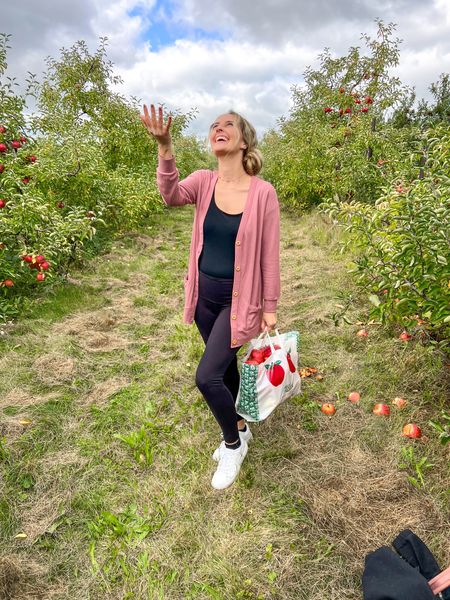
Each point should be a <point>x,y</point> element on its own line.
<point>252,161</point>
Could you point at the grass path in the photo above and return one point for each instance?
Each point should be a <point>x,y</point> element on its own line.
<point>109,482</point>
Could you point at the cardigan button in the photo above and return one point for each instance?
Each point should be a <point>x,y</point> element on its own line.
<point>234,341</point>
<point>235,293</point>
<point>233,316</point>
<point>238,243</point>
<point>238,268</point>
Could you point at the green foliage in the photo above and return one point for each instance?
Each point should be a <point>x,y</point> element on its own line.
<point>83,166</point>
<point>415,464</point>
<point>428,113</point>
<point>140,443</point>
<point>443,428</point>
<point>335,139</point>
<point>401,243</point>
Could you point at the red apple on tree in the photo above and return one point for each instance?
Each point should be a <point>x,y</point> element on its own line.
<point>2,167</point>
<point>2,129</point>
<point>2,203</point>
<point>16,144</point>
<point>3,148</point>
<point>40,276</point>
<point>8,283</point>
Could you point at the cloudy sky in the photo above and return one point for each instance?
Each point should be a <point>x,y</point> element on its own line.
<point>213,55</point>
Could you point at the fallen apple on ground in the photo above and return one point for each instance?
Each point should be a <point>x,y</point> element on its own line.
<point>399,402</point>
<point>354,397</point>
<point>307,371</point>
<point>362,333</point>
<point>405,336</point>
<point>381,410</point>
<point>411,430</point>
<point>328,408</point>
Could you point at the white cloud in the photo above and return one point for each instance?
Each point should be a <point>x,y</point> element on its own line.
<point>265,49</point>
<point>215,76</point>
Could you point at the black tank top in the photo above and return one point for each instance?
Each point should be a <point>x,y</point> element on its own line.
<point>219,236</point>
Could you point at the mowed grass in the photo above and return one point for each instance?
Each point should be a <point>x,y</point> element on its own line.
<point>107,485</point>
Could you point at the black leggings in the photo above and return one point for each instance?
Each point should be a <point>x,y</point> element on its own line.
<point>217,375</point>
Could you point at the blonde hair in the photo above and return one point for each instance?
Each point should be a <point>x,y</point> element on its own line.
<point>252,159</point>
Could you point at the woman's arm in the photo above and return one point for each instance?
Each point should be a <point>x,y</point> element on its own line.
<point>173,192</point>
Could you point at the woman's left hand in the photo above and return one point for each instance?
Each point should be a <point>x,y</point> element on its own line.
<point>269,320</point>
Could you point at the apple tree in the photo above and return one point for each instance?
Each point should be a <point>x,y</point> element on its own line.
<point>335,139</point>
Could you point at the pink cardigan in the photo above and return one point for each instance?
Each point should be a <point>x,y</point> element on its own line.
<point>257,251</point>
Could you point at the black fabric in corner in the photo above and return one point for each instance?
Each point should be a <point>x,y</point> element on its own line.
<point>412,549</point>
<point>388,577</point>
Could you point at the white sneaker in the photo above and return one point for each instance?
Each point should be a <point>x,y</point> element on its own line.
<point>244,435</point>
<point>229,465</point>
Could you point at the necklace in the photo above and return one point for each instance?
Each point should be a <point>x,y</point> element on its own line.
<point>230,180</point>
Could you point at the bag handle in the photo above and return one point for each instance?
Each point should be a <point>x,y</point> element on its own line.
<point>265,332</point>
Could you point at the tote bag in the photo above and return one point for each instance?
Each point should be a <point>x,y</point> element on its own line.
<point>269,374</point>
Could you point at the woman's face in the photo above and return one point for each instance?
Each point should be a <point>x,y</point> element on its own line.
<point>225,136</point>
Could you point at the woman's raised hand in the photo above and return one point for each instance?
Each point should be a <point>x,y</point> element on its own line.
<point>155,126</point>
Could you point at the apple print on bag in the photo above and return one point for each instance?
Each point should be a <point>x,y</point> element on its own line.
<point>269,375</point>
<point>275,373</point>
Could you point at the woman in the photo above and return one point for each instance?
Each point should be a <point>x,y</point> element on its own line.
<point>233,281</point>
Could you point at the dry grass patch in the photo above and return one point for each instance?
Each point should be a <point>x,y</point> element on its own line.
<point>23,398</point>
<point>22,578</point>
<point>54,369</point>
<point>103,390</point>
